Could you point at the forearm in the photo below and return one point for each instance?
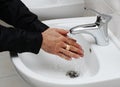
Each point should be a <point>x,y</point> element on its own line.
<point>17,14</point>
<point>18,40</point>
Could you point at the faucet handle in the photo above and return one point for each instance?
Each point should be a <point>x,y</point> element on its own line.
<point>103,17</point>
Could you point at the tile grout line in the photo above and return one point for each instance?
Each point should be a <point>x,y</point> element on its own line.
<point>8,76</point>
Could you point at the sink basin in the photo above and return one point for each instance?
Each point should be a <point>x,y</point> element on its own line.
<point>49,9</point>
<point>99,67</point>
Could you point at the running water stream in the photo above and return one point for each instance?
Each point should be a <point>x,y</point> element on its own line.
<point>79,65</point>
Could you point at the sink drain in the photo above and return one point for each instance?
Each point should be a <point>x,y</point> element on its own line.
<point>72,74</point>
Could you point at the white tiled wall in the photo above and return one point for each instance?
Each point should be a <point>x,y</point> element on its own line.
<point>111,7</point>
<point>6,68</point>
<point>8,75</point>
<point>13,81</point>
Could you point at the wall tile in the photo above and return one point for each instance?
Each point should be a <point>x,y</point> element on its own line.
<point>99,5</point>
<point>6,67</point>
<point>114,4</point>
<point>13,81</point>
<point>4,24</point>
<point>114,24</point>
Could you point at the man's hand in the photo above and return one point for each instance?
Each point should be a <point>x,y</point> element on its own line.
<point>56,41</point>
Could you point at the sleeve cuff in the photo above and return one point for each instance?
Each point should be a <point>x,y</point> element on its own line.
<point>39,26</point>
<point>33,42</point>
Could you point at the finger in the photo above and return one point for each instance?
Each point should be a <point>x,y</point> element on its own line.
<point>64,56</point>
<point>76,48</point>
<point>60,45</point>
<point>69,53</point>
<point>77,51</point>
<point>72,39</point>
<point>62,31</point>
<point>73,43</point>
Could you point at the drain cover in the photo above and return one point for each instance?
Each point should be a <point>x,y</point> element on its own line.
<point>72,74</point>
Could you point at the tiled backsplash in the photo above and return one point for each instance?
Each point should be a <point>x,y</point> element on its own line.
<point>6,68</point>
<point>8,75</point>
<point>114,4</point>
<point>111,7</point>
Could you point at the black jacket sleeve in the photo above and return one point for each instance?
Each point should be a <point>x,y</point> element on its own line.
<point>17,14</point>
<point>26,36</point>
<point>17,40</point>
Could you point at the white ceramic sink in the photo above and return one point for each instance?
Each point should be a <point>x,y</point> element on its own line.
<point>98,68</point>
<point>49,9</point>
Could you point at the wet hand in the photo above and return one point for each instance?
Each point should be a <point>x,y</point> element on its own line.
<point>56,41</point>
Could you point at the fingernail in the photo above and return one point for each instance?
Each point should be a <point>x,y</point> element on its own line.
<point>82,54</point>
<point>69,59</point>
<point>78,56</point>
<point>82,51</point>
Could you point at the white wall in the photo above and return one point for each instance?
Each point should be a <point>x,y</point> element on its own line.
<point>111,7</point>
<point>8,75</point>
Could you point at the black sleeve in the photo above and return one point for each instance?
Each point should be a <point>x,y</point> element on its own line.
<point>14,12</point>
<point>17,40</point>
<point>26,36</point>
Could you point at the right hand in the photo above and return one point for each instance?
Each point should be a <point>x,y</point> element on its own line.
<point>55,42</point>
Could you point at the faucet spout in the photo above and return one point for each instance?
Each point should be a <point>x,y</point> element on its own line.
<point>100,36</point>
<point>98,29</point>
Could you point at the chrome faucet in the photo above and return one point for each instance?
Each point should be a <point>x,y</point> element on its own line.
<point>98,29</point>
